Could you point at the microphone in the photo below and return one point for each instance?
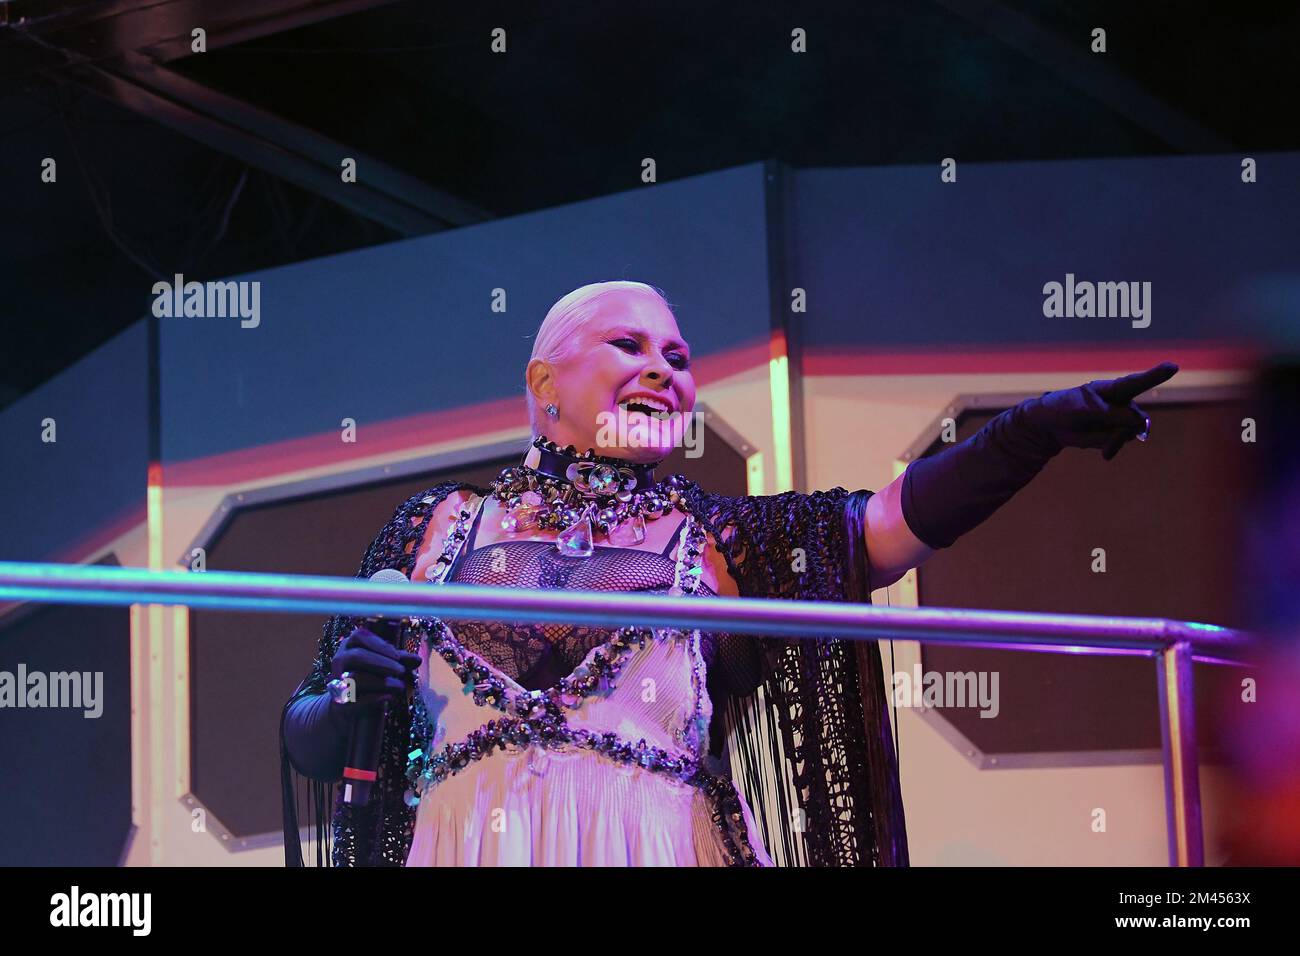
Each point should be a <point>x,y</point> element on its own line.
<point>360,769</point>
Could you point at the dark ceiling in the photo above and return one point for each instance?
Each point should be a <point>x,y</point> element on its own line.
<point>227,161</point>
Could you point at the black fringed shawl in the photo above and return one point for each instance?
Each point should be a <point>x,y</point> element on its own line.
<point>820,715</point>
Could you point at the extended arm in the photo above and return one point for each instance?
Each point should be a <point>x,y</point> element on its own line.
<point>892,548</point>
<point>939,498</point>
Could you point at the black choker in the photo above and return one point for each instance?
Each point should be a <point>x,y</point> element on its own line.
<point>557,462</point>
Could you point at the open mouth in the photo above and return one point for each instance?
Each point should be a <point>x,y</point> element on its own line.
<point>652,408</point>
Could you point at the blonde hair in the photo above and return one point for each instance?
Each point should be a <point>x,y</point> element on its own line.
<point>557,336</point>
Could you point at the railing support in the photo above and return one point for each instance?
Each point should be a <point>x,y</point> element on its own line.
<point>1176,645</point>
<point>1182,769</point>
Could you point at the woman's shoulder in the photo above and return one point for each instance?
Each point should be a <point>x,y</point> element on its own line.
<point>418,510</point>
<point>450,497</point>
<point>441,504</point>
<point>439,498</point>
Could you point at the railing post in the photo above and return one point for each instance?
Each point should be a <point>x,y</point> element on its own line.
<point>1182,771</point>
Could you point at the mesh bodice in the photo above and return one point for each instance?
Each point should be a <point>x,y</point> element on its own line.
<point>538,656</point>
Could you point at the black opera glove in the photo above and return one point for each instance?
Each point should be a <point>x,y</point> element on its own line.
<point>946,495</point>
<point>1100,414</point>
<point>316,728</point>
<point>381,673</point>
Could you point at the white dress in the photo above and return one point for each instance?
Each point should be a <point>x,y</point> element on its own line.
<point>618,781</point>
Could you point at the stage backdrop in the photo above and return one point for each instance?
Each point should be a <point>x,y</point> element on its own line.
<point>903,291</point>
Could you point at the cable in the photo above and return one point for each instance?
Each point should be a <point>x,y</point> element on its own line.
<point>104,208</point>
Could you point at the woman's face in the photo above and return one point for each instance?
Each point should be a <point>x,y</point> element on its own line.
<point>630,350</point>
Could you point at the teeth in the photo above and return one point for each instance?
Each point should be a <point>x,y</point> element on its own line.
<point>659,407</point>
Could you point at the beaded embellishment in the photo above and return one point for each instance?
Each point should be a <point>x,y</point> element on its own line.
<point>537,718</point>
<point>596,494</point>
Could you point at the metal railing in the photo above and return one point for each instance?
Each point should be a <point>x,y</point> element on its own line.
<point>1175,645</point>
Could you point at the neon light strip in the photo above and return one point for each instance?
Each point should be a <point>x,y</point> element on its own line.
<point>153,709</point>
<point>139,727</point>
<point>1024,357</point>
<point>754,481</point>
<point>180,721</point>
<point>782,439</point>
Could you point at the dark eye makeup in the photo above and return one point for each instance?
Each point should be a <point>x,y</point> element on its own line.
<point>676,359</point>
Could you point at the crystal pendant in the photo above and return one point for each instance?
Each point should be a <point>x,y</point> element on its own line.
<point>576,541</point>
<point>627,534</point>
<point>604,480</point>
<point>521,518</point>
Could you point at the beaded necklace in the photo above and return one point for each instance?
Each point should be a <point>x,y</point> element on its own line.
<point>582,494</point>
